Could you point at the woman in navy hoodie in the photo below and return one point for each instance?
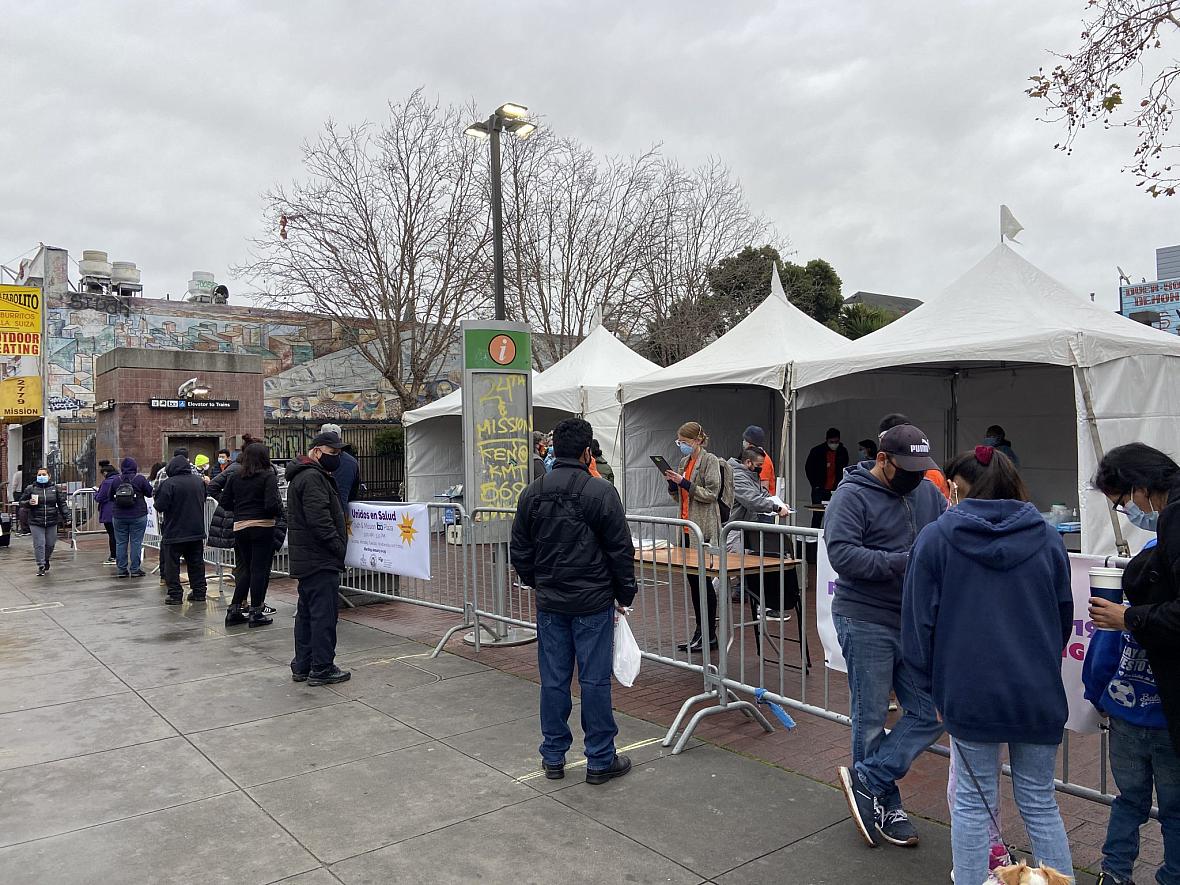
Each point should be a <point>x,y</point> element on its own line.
<point>986,612</point>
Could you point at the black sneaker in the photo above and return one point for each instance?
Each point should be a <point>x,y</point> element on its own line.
<point>1105,878</point>
<point>173,600</point>
<point>122,574</point>
<point>196,596</point>
<point>895,827</point>
<point>298,677</point>
<point>139,573</point>
<point>329,677</point>
<point>233,615</point>
<point>554,771</point>
<point>47,565</point>
<point>618,768</point>
<point>267,610</point>
<point>40,571</point>
<point>258,619</point>
<point>863,805</point>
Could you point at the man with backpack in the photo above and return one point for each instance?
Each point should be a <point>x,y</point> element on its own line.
<point>130,518</point>
<point>571,544</point>
<point>181,501</point>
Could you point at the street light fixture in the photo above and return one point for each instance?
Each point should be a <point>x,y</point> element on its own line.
<point>513,118</point>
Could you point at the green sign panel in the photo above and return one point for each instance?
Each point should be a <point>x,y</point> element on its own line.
<point>505,350</point>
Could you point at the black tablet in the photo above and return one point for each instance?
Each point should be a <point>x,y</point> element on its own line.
<point>659,461</point>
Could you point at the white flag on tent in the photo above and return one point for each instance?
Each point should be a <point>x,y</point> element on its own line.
<point>1009,226</point>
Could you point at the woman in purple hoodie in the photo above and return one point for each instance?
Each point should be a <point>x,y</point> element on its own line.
<point>129,512</point>
<point>986,611</point>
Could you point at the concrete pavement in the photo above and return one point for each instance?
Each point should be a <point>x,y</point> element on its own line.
<point>143,744</point>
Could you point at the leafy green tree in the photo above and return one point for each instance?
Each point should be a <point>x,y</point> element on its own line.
<point>741,282</point>
<point>858,320</point>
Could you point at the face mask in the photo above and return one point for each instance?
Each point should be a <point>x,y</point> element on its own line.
<point>904,482</point>
<point>991,441</point>
<point>330,462</point>
<point>862,454</point>
<point>223,460</point>
<point>685,448</point>
<point>1139,519</point>
<point>550,460</point>
<point>833,446</point>
<point>43,480</point>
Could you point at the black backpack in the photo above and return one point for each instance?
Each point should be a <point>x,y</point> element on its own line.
<point>125,494</point>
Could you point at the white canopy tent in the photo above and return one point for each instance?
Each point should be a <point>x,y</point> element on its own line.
<point>1007,344</point>
<point>584,383</point>
<point>742,378</point>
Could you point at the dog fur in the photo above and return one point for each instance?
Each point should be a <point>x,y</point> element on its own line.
<point>1023,874</point>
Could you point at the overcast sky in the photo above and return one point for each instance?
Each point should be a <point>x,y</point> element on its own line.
<point>880,136</point>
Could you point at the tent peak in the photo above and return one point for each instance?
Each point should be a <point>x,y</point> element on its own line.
<point>776,284</point>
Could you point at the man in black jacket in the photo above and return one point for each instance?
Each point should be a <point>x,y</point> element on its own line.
<point>181,500</point>
<point>571,544</point>
<point>318,540</point>
<point>825,467</point>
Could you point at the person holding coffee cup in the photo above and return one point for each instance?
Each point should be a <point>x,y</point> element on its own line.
<point>45,504</point>
<point>1143,485</point>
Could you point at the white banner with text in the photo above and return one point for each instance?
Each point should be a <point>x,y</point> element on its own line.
<point>391,538</point>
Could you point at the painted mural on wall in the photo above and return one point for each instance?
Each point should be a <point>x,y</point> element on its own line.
<point>309,370</point>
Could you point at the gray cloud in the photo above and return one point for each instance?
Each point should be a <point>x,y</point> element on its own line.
<point>880,136</point>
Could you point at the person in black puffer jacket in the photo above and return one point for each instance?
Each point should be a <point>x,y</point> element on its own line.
<point>221,527</point>
<point>319,542</point>
<point>252,495</point>
<point>181,500</point>
<point>45,506</point>
<point>571,544</point>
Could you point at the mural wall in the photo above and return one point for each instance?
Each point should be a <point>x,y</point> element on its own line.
<point>310,371</point>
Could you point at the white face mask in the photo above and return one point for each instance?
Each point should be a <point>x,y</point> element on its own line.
<point>833,446</point>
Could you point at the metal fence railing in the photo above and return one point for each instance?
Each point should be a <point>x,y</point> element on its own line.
<point>84,516</point>
<point>772,631</point>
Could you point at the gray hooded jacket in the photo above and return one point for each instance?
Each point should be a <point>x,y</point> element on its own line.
<point>869,530</point>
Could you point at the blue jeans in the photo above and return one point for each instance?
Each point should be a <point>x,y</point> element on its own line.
<point>1033,768</point>
<point>129,543</point>
<point>873,655</point>
<point>589,639</point>
<point>1139,758</point>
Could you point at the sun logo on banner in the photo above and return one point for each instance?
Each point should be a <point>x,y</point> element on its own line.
<point>406,527</point>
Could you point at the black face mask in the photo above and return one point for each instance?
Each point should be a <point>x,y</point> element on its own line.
<point>330,463</point>
<point>904,481</point>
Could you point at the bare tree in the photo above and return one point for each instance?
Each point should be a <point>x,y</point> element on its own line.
<point>388,235</point>
<point>575,228</point>
<point>1117,41</point>
<point>698,218</point>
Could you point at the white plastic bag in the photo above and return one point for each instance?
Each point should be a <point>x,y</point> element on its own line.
<point>627,656</point>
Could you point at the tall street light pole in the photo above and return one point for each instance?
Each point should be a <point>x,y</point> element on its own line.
<point>512,118</point>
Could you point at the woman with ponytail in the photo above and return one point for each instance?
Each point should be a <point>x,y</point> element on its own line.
<point>986,612</point>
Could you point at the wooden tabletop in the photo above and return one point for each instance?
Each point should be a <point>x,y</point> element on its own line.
<point>687,559</point>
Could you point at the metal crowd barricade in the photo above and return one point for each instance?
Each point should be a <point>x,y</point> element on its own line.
<point>84,513</point>
<point>761,662</point>
<point>503,609</point>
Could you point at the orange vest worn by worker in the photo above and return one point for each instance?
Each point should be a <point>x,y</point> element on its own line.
<point>594,468</point>
<point>767,475</point>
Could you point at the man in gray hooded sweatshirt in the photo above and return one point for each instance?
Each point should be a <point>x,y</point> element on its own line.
<point>870,526</point>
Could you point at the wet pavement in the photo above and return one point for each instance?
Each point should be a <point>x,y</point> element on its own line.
<point>143,743</point>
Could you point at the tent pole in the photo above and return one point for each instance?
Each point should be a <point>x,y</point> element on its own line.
<point>790,441</point>
<point>1120,542</point>
<point>952,430</point>
<point>621,446</point>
